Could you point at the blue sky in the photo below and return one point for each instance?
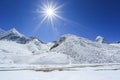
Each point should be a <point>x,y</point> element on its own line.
<point>86,18</point>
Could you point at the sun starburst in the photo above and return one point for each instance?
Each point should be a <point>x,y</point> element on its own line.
<point>49,11</point>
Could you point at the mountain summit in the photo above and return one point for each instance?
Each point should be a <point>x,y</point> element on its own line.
<point>101,39</point>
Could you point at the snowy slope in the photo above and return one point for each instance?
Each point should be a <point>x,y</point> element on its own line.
<point>30,53</point>
<point>85,51</point>
<point>15,48</point>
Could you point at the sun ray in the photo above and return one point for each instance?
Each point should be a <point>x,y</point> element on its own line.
<point>60,17</point>
<point>43,19</point>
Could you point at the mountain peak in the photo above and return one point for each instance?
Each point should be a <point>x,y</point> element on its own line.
<point>13,35</point>
<point>14,31</point>
<point>101,39</point>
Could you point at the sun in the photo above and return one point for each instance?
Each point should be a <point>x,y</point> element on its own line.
<point>49,11</point>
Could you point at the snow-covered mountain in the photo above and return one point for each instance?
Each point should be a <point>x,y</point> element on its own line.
<point>86,51</point>
<point>13,35</point>
<point>15,48</point>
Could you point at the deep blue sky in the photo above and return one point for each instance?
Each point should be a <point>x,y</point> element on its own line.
<point>86,18</point>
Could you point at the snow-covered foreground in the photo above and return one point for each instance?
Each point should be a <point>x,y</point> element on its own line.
<point>63,75</point>
<point>60,72</point>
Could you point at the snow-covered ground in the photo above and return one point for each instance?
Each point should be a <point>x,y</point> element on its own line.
<point>85,72</point>
<point>60,72</point>
<point>65,75</point>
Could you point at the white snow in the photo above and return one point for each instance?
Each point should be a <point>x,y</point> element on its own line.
<point>12,52</point>
<point>13,31</point>
<point>86,51</point>
<point>69,49</point>
<point>60,75</point>
<point>50,58</point>
<point>100,39</point>
<point>60,72</point>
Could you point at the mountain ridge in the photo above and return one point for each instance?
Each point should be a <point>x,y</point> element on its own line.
<point>69,49</point>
